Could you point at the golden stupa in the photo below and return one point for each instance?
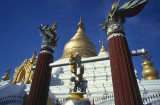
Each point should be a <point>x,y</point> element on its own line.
<point>149,73</point>
<point>103,49</point>
<point>79,43</point>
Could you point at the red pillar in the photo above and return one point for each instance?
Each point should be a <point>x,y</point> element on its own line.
<point>38,94</point>
<point>93,101</point>
<point>126,90</point>
<point>41,80</point>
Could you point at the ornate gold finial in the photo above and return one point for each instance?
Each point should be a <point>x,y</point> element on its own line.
<point>7,75</point>
<point>33,59</point>
<point>114,6</point>
<point>149,73</point>
<point>146,57</point>
<point>103,49</point>
<point>81,25</point>
<point>54,26</point>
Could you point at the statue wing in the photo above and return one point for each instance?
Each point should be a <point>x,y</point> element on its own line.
<point>132,8</point>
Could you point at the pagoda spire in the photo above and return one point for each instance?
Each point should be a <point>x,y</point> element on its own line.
<point>33,59</point>
<point>7,75</point>
<point>81,25</point>
<point>103,49</point>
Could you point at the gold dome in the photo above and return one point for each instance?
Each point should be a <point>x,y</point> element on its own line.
<point>149,73</point>
<point>103,49</point>
<point>79,43</point>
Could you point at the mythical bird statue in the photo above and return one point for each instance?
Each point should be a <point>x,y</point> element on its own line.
<point>49,34</point>
<point>118,15</point>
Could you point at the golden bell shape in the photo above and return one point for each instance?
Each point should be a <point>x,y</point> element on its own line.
<point>103,49</point>
<point>79,43</point>
<point>149,73</point>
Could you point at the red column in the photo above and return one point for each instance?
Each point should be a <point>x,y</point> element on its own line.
<point>126,90</point>
<point>41,80</point>
<point>93,101</point>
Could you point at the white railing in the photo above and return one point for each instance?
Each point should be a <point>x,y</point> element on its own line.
<point>100,100</point>
<point>110,97</point>
<point>11,98</point>
<point>151,98</point>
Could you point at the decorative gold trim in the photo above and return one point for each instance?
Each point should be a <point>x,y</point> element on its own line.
<point>77,96</point>
<point>25,71</point>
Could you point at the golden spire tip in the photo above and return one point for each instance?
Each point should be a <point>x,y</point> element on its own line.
<point>80,24</point>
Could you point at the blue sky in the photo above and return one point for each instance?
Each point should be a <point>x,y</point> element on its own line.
<point>20,19</point>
